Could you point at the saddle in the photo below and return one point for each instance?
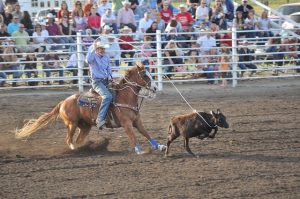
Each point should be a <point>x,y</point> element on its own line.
<point>91,99</point>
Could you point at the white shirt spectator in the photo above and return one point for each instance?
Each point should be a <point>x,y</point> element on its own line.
<point>102,8</point>
<point>144,25</point>
<point>206,43</point>
<point>73,61</point>
<point>202,13</point>
<point>105,18</point>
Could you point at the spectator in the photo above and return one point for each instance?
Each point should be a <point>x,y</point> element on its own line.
<point>1,7</point>
<point>102,7</point>
<point>146,51</point>
<point>193,64</point>
<point>244,8</point>
<point>113,50</point>
<point>126,16</point>
<point>39,39</point>
<point>202,14</point>
<point>144,24</point>
<point>26,20</point>
<point>173,24</point>
<point>3,32</point>
<point>7,16</point>
<point>109,19</point>
<point>251,25</point>
<point>173,57</point>
<point>54,31</point>
<point>73,63</point>
<point>116,6</point>
<point>152,33</point>
<point>76,8</point>
<point>228,9</point>
<point>264,25</point>
<point>13,25</point>
<point>126,42</point>
<point>212,66</point>
<point>30,66</point>
<point>166,13</point>
<point>21,39</point>
<point>87,8</point>
<point>94,21</point>
<point>52,61</point>
<point>224,66</point>
<point>87,39</point>
<point>64,11</point>
<point>184,18</point>
<point>192,8</point>
<point>161,24</point>
<point>206,42</point>
<point>80,21</point>
<point>65,30</point>
<point>246,57</point>
<point>218,16</point>
<point>134,5</point>
<point>17,11</point>
<point>239,23</point>
<point>12,64</point>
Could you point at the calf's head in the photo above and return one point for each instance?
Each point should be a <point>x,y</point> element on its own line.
<point>220,119</point>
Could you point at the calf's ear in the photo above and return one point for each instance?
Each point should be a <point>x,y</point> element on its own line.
<point>212,112</point>
<point>218,111</point>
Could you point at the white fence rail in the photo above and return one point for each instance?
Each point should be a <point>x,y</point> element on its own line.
<point>202,66</point>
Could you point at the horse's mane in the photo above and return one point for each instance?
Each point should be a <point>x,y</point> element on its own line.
<point>127,74</point>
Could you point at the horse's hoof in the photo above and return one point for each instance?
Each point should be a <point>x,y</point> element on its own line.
<point>162,147</point>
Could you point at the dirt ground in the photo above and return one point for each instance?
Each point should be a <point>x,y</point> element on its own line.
<point>257,157</point>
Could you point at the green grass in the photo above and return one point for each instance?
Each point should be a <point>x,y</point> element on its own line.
<point>272,3</point>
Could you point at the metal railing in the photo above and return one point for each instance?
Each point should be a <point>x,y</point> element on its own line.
<point>266,62</point>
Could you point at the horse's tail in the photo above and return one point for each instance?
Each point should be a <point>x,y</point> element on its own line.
<point>34,125</point>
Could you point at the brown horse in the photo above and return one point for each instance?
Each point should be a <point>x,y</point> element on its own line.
<point>124,111</point>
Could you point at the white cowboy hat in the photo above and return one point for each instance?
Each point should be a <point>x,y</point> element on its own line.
<point>182,6</point>
<point>107,27</point>
<point>126,28</point>
<point>125,2</point>
<point>100,45</point>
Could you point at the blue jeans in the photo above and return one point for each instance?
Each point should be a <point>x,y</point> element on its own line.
<point>100,86</point>
<point>2,78</point>
<point>16,73</point>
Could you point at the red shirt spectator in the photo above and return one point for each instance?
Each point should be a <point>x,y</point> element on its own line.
<point>128,40</point>
<point>166,14</point>
<point>185,19</point>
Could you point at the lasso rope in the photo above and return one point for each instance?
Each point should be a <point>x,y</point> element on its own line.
<point>194,110</point>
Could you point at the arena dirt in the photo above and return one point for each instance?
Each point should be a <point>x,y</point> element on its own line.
<point>257,157</point>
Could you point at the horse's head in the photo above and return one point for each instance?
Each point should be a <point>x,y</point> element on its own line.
<point>141,78</point>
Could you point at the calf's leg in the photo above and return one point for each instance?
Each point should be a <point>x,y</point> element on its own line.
<point>187,147</point>
<point>171,138</point>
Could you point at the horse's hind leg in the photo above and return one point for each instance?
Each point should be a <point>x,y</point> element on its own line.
<point>83,132</point>
<point>69,138</point>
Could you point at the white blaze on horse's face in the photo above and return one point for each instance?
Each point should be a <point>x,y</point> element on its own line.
<point>153,85</point>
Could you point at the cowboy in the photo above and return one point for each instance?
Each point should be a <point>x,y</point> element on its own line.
<point>101,72</point>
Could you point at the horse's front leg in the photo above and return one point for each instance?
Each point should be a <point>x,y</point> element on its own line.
<point>130,133</point>
<point>140,127</point>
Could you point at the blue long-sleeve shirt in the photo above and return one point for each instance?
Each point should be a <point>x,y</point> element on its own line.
<point>99,65</point>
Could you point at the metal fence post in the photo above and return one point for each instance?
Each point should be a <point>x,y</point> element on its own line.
<point>234,57</point>
<point>79,62</point>
<point>159,61</point>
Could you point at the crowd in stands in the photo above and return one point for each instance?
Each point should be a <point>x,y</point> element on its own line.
<point>139,20</point>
